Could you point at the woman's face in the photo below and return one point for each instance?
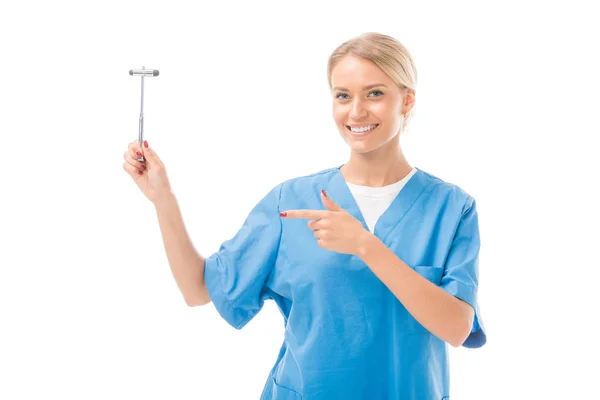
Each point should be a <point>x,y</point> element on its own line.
<point>367,104</point>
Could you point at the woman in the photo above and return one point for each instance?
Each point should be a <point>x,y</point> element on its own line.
<point>373,264</point>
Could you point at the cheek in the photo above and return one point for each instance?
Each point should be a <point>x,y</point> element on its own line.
<point>381,110</point>
<point>339,115</point>
<point>387,114</point>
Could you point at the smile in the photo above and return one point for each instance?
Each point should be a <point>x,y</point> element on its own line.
<point>363,130</point>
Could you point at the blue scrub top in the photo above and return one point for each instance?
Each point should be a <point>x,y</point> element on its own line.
<point>346,335</point>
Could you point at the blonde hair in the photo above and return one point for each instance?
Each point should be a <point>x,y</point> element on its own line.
<point>385,52</point>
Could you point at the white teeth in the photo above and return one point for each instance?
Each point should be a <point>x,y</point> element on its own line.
<point>363,129</point>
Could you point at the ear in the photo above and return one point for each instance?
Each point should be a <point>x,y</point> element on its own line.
<point>409,101</point>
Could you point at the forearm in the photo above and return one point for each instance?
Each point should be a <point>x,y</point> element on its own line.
<point>187,265</point>
<point>444,315</point>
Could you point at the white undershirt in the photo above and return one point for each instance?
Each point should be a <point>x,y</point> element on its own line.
<point>373,201</point>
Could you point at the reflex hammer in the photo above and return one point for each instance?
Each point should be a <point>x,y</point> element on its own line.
<point>143,73</point>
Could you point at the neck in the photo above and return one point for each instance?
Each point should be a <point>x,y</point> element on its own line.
<point>381,167</point>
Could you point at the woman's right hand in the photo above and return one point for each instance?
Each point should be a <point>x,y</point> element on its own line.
<point>149,175</point>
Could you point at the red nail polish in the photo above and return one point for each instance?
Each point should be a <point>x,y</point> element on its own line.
<point>323,191</point>
<point>138,153</point>
<point>282,214</point>
<point>145,143</point>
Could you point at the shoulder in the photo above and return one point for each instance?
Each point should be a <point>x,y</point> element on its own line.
<point>448,192</point>
<point>308,182</point>
<point>296,187</point>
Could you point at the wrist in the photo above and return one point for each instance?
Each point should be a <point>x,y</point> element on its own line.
<point>366,242</point>
<point>165,199</point>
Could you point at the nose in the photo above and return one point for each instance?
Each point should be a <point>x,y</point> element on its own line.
<point>358,110</point>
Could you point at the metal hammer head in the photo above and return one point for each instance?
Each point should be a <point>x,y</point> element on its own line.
<point>143,72</point>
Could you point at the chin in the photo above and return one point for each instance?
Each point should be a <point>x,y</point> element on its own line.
<point>363,146</point>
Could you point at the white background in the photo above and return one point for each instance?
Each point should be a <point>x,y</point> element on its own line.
<point>507,108</point>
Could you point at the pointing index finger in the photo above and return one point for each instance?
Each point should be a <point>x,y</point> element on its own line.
<point>309,214</point>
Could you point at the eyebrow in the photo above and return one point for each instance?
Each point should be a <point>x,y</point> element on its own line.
<point>365,88</point>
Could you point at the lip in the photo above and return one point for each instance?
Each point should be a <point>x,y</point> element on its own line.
<point>363,134</point>
<point>361,125</point>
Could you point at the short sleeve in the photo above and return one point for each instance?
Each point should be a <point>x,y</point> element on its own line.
<point>461,270</point>
<point>235,275</point>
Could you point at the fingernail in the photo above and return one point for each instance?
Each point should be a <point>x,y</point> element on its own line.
<point>145,143</point>
<point>143,166</point>
<point>282,214</point>
<point>139,153</point>
<point>323,191</point>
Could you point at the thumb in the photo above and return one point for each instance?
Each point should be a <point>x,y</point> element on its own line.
<point>149,154</point>
<point>330,204</point>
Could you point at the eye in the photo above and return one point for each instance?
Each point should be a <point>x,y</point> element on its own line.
<point>337,96</point>
<point>376,91</point>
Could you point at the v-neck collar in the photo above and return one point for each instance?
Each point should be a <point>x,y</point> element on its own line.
<point>340,193</point>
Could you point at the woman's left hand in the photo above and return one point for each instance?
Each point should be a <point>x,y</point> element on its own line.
<point>334,228</point>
